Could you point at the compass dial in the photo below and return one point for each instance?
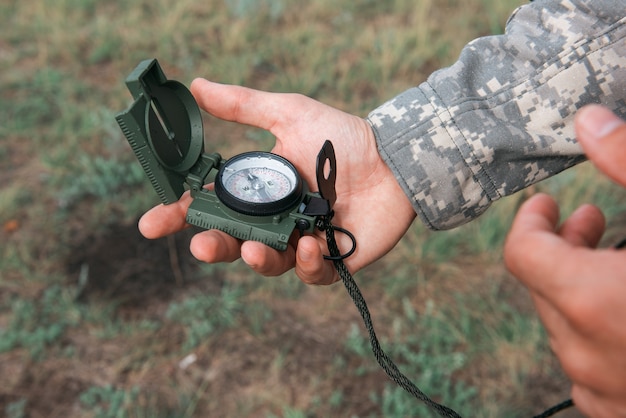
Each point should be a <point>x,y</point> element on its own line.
<point>258,183</point>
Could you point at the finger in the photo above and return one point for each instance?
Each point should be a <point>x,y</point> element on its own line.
<point>311,267</point>
<point>530,242</point>
<point>538,214</point>
<point>163,220</point>
<point>265,260</point>
<point>214,246</point>
<point>593,404</point>
<point>579,355</point>
<point>237,104</point>
<point>587,401</point>
<point>584,227</point>
<point>551,318</point>
<point>603,138</point>
<point>545,262</point>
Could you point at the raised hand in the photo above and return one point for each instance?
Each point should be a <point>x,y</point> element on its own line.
<point>579,290</point>
<point>370,203</point>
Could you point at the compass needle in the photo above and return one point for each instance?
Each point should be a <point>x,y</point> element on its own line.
<point>258,185</point>
<point>166,126</point>
<point>259,182</point>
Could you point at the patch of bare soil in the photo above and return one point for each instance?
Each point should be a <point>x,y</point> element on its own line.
<point>135,272</point>
<point>140,277</point>
<point>297,360</point>
<point>292,362</point>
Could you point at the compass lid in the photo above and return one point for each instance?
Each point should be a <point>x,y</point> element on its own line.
<point>164,128</point>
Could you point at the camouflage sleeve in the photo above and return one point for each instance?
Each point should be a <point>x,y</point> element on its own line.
<point>501,117</point>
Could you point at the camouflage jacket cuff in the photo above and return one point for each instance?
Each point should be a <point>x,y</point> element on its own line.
<point>418,140</point>
<point>502,117</point>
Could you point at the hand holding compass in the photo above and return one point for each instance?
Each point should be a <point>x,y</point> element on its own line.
<point>369,202</point>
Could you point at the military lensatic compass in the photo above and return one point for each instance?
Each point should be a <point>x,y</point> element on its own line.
<point>258,195</point>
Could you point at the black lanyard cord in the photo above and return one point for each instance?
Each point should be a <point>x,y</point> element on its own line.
<point>385,362</point>
<point>556,408</point>
<point>383,359</point>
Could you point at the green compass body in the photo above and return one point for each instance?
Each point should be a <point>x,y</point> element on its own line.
<point>257,196</point>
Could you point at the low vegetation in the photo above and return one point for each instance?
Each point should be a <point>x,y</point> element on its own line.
<point>97,321</point>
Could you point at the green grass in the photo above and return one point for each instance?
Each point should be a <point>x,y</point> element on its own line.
<point>36,324</point>
<point>442,303</point>
<point>204,316</point>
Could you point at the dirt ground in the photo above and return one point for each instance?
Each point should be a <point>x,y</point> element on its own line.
<point>238,373</point>
<point>144,277</point>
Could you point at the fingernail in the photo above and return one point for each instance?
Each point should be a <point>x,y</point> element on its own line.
<point>305,256</point>
<point>598,121</point>
<point>248,263</point>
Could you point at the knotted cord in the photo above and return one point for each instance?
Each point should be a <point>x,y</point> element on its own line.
<point>383,359</point>
<point>385,362</point>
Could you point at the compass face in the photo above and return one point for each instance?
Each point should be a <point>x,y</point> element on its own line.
<point>258,183</point>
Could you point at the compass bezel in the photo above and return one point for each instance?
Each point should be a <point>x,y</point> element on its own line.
<point>285,204</point>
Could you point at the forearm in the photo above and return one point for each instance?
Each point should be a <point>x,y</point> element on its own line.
<point>501,118</point>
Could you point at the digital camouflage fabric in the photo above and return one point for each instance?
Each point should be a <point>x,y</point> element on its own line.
<point>501,118</point>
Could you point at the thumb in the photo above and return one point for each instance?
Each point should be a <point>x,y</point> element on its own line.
<point>237,104</point>
<point>603,138</point>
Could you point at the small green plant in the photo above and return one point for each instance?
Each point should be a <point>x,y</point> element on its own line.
<point>205,315</point>
<point>250,8</point>
<point>290,413</point>
<point>336,398</point>
<point>428,350</point>
<point>99,177</point>
<point>16,409</point>
<point>109,402</point>
<point>35,325</point>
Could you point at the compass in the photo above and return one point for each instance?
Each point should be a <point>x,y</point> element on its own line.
<point>258,183</point>
<point>257,196</point>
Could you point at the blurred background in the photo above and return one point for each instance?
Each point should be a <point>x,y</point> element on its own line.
<point>96,321</point>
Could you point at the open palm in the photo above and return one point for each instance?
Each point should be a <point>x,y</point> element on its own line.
<point>370,203</point>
